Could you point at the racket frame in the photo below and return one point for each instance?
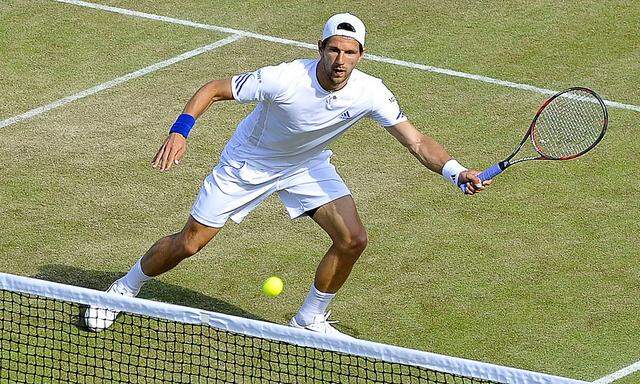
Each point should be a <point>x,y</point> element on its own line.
<point>497,168</point>
<point>531,132</point>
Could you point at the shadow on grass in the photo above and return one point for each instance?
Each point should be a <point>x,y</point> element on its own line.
<point>152,290</point>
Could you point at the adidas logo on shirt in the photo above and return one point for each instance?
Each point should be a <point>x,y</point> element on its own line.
<point>345,115</point>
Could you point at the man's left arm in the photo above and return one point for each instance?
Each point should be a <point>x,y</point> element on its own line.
<point>433,156</point>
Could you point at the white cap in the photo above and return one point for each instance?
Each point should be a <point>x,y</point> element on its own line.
<point>344,24</point>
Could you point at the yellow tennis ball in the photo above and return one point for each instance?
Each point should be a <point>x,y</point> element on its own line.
<point>273,286</point>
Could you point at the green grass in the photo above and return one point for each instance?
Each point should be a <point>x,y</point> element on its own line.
<point>539,273</point>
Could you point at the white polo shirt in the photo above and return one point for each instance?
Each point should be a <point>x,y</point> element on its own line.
<point>296,118</point>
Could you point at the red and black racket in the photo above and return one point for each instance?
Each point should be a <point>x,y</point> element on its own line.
<point>567,125</point>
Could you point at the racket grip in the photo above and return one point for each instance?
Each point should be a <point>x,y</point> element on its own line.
<point>487,174</point>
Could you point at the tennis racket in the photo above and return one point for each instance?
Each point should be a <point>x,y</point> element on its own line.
<point>567,125</point>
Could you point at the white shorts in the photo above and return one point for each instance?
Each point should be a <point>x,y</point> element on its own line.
<point>233,189</point>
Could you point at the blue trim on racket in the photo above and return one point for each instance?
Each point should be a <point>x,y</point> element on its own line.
<point>489,173</point>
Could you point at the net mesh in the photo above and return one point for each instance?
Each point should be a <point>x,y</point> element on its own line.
<point>569,125</point>
<point>44,340</point>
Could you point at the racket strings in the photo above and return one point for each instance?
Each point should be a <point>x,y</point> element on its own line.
<point>569,125</point>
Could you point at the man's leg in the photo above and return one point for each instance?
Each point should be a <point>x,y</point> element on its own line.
<point>340,220</point>
<point>165,254</point>
<point>168,252</point>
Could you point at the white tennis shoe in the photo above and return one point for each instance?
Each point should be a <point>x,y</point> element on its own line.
<point>98,319</point>
<point>321,324</point>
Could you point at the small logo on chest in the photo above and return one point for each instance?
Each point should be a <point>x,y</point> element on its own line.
<point>345,115</point>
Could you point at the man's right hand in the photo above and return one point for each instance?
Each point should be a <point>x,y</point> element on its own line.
<point>171,151</point>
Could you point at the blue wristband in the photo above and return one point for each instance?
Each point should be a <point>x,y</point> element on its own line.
<point>183,125</point>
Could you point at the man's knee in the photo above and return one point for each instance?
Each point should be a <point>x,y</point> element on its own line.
<point>188,247</point>
<point>355,242</point>
<point>191,240</point>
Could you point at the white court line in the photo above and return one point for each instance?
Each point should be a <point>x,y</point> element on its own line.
<point>383,59</point>
<point>118,81</point>
<point>626,371</point>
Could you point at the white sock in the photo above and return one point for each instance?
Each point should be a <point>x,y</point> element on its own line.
<point>315,303</point>
<point>134,279</point>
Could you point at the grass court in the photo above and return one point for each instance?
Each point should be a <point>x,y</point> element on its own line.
<point>540,272</point>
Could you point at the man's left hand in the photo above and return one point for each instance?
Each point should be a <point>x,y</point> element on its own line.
<point>474,185</point>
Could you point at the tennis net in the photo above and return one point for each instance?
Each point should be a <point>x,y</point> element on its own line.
<point>43,339</point>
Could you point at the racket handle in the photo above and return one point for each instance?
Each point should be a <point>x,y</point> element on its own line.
<point>487,174</point>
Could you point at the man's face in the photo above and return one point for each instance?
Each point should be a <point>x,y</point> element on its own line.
<point>339,57</point>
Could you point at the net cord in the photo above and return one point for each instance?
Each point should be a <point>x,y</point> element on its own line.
<point>271,331</point>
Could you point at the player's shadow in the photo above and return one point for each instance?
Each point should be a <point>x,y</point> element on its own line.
<point>152,290</point>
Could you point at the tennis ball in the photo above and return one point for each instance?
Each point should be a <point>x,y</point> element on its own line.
<point>273,286</point>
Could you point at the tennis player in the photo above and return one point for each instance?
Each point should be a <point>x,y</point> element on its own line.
<point>280,147</point>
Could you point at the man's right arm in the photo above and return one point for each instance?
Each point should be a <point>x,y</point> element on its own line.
<point>175,145</point>
<point>208,94</point>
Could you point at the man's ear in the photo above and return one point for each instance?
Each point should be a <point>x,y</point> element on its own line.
<point>364,50</point>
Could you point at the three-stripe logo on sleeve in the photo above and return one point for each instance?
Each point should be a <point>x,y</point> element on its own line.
<point>241,80</point>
